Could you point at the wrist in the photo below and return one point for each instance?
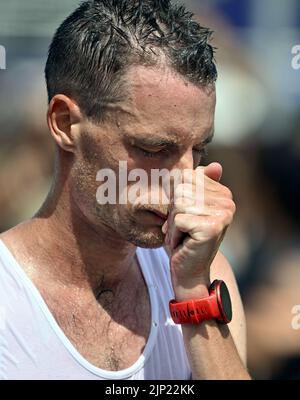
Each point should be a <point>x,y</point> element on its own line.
<point>191,290</point>
<point>201,303</point>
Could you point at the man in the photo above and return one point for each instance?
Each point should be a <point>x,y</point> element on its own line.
<point>85,285</point>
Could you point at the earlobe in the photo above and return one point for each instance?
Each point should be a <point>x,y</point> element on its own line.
<point>63,115</point>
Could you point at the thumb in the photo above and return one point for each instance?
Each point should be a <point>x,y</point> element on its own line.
<point>214,171</point>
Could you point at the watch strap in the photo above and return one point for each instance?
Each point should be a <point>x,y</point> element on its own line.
<point>199,310</point>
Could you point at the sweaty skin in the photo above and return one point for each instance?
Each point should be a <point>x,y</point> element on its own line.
<point>68,249</point>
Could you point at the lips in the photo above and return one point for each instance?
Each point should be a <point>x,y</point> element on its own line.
<point>160,214</point>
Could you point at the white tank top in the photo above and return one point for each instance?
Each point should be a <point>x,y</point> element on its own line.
<point>33,346</point>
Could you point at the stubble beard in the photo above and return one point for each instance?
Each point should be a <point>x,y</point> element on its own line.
<point>129,229</point>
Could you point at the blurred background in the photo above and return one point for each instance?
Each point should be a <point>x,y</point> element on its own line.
<point>257,141</point>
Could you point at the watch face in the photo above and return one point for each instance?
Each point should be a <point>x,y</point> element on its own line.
<point>225,302</point>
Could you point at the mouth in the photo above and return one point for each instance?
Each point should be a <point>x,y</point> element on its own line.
<point>160,214</point>
<point>153,217</point>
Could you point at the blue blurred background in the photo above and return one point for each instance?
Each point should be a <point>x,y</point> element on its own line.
<point>257,141</point>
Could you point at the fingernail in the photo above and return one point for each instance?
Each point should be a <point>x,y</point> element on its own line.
<point>164,227</point>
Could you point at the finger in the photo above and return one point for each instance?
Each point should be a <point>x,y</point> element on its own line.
<point>200,227</point>
<point>174,235</point>
<point>214,171</point>
<point>165,227</point>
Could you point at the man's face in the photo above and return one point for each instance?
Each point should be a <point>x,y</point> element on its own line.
<point>165,124</point>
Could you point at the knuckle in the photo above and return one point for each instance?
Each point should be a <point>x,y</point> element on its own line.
<point>225,215</point>
<point>229,204</point>
<point>225,218</point>
<point>233,207</point>
<point>215,228</point>
<point>228,193</point>
<point>228,218</point>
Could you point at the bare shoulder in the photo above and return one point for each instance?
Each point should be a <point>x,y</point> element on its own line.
<point>11,235</point>
<point>18,238</point>
<point>221,269</point>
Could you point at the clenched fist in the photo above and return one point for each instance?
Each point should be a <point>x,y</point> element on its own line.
<point>194,232</point>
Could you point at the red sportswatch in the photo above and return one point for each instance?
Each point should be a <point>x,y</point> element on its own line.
<point>216,306</point>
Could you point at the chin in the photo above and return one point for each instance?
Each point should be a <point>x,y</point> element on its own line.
<point>151,239</point>
<point>139,234</point>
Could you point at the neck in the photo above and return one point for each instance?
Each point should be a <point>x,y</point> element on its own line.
<point>86,256</point>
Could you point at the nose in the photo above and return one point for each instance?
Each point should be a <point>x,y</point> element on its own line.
<point>186,160</point>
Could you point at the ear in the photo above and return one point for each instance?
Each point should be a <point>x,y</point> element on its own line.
<point>64,117</point>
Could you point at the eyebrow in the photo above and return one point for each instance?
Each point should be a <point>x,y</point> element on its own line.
<point>162,141</point>
<point>152,141</point>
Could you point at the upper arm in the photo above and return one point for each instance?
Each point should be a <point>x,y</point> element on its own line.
<point>221,269</point>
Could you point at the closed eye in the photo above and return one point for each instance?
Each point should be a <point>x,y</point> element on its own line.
<point>154,151</point>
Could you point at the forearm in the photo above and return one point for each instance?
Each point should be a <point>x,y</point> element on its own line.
<point>210,348</point>
<point>212,353</point>
<point>193,235</point>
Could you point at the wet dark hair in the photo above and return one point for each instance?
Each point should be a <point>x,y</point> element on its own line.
<point>95,45</point>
